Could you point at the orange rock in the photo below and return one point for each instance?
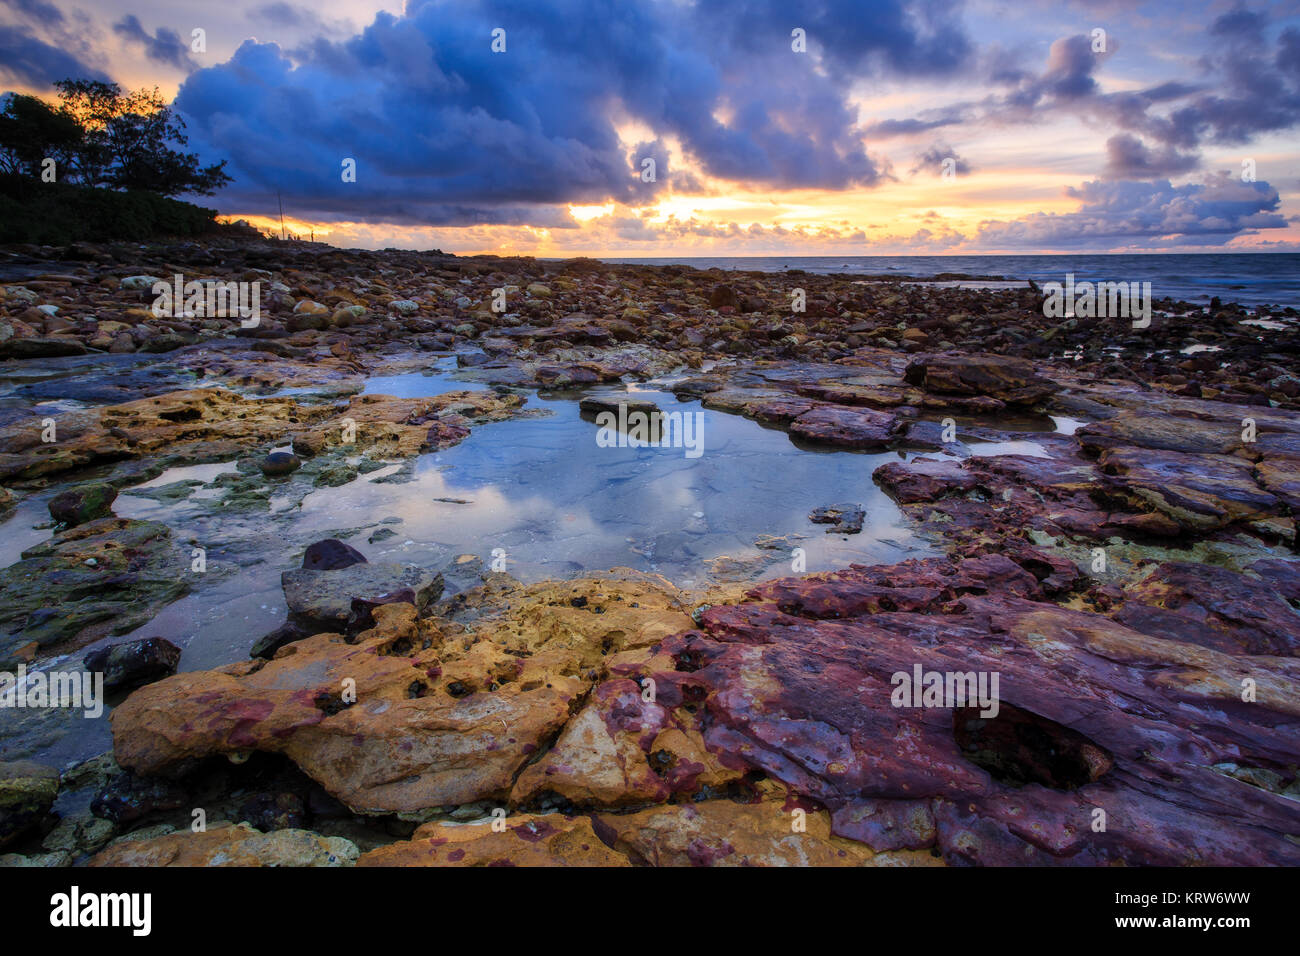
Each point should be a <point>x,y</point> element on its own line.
<point>407,743</point>
<point>725,833</point>
<point>527,840</point>
<point>622,750</point>
<point>226,845</point>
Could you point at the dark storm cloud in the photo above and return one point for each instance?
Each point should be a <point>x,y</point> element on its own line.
<point>29,61</point>
<point>164,46</point>
<point>37,10</point>
<point>434,117</point>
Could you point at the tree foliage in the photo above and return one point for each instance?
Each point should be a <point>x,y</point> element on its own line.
<point>100,136</point>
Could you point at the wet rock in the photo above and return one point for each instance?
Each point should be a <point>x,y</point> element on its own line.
<point>846,427</point>
<point>1009,380</point>
<point>78,833</point>
<point>1065,495</point>
<point>330,554</point>
<point>325,597</point>
<point>332,476</point>
<point>83,503</point>
<point>435,722</point>
<point>27,792</point>
<point>286,633</point>
<point>104,577</point>
<point>1200,492</point>
<point>110,386</point>
<point>224,844</point>
<point>591,406</point>
<point>408,743</point>
<point>843,519</point>
<point>213,424</point>
<point>528,840</point>
<point>274,811</point>
<point>138,283</point>
<point>279,463</point>
<point>128,798</point>
<point>362,615</point>
<point>57,858</point>
<point>31,348</point>
<point>134,662</point>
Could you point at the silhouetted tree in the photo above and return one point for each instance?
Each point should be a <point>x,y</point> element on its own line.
<point>101,136</point>
<point>31,131</point>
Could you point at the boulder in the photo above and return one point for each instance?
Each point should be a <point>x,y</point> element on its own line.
<point>279,463</point>
<point>133,663</point>
<point>82,503</point>
<point>27,791</point>
<point>324,598</point>
<point>330,554</point>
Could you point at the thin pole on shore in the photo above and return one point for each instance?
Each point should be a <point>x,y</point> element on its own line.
<point>281,201</point>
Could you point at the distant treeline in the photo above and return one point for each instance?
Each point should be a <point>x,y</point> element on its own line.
<point>99,164</point>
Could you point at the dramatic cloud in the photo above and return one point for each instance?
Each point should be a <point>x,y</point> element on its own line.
<point>1246,88</point>
<point>1127,157</point>
<point>31,62</point>
<point>1156,213</point>
<point>165,46</point>
<point>433,116</point>
<point>766,120</point>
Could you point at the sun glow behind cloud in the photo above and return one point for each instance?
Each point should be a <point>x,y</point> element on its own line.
<point>759,150</point>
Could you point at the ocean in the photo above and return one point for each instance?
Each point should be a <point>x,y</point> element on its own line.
<point>1251,279</point>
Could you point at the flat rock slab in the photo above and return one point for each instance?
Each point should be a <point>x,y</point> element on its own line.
<point>238,845</point>
<point>845,427</point>
<point>325,597</point>
<point>798,682</point>
<point>843,519</point>
<point>1011,380</point>
<point>528,840</point>
<point>107,576</point>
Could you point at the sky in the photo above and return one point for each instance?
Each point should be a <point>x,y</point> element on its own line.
<point>646,128</point>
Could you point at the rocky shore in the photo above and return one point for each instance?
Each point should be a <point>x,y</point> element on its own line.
<point>1131,579</point>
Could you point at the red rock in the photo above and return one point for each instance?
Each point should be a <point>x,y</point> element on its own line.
<point>1010,380</point>
<point>796,683</point>
<point>1213,607</point>
<point>846,427</point>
